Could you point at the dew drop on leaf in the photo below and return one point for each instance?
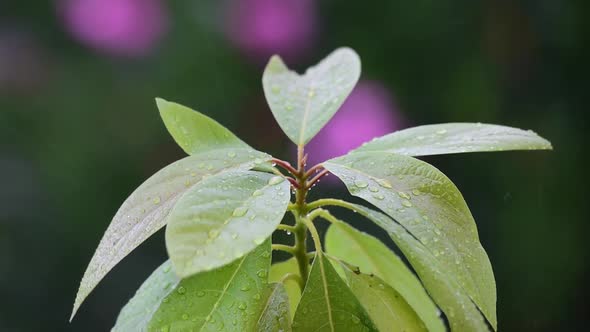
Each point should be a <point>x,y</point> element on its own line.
<point>240,211</point>
<point>361,183</point>
<point>384,183</point>
<point>406,203</point>
<point>181,290</point>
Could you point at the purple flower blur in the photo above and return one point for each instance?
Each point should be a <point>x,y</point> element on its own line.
<point>261,28</point>
<point>368,112</point>
<point>116,27</point>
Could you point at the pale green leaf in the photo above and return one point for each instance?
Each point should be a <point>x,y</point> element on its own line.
<point>224,217</point>
<point>275,317</point>
<point>431,208</point>
<point>456,138</point>
<point>303,104</point>
<point>278,271</point>
<point>388,309</point>
<point>440,282</point>
<point>373,257</point>
<point>146,209</point>
<point>327,304</point>
<point>195,132</point>
<point>137,313</point>
<point>231,298</point>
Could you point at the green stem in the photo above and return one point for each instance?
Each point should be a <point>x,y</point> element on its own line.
<point>332,202</point>
<point>284,248</point>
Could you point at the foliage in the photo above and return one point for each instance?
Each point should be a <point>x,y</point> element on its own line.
<point>223,202</point>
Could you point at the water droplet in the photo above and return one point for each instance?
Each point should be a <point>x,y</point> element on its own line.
<point>200,293</point>
<point>258,241</point>
<point>373,189</point>
<point>181,290</point>
<point>240,211</point>
<point>378,196</point>
<point>437,231</point>
<point>361,183</point>
<point>256,296</point>
<point>214,233</point>
<point>404,195</point>
<point>245,288</point>
<point>156,200</point>
<point>231,154</point>
<point>441,132</point>
<point>406,203</point>
<point>416,192</point>
<point>185,316</point>
<point>166,300</point>
<point>234,236</point>
<point>261,273</point>
<point>257,193</point>
<point>384,183</point>
<point>242,306</point>
<point>356,320</point>
<point>275,180</point>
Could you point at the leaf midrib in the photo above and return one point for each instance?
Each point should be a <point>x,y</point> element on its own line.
<point>326,292</point>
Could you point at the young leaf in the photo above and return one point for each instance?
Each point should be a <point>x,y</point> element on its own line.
<point>137,313</point>
<point>230,298</point>
<point>195,132</point>
<point>223,218</point>
<point>146,209</point>
<point>456,138</point>
<point>327,304</point>
<point>277,271</point>
<point>302,105</point>
<point>276,317</point>
<point>388,309</point>
<point>373,257</point>
<point>431,208</point>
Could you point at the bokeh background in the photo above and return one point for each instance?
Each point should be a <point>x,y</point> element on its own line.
<point>79,129</point>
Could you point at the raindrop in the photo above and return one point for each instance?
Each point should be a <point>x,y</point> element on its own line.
<point>378,196</point>
<point>373,189</point>
<point>441,132</point>
<point>261,273</point>
<point>200,293</point>
<point>257,193</point>
<point>234,236</point>
<point>156,200</point>
<point>242,306</point>
<point>361,183</point>
<point>240,211</point>
<point>384,183</point>
<point>404,195</point>
<point>258,241</point>
<point>185,316</point>
<point>181,290</point>
<point>214,233</point>
<point>406,203</point>
<point>231,154</point>
<point>416,192</point>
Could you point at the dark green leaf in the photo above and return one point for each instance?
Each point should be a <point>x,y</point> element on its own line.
<point>302,105</point>
<point>223,218</point>
<point>373,257</point>
<point>231,298</point>
<point>146,209</point>
<point>426,203</point>
<point>328,304</point>
<point>457,138</point>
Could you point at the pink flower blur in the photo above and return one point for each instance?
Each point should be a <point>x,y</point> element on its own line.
<point>116,27</point>
<point>261,28</point>
<point>368,112</point>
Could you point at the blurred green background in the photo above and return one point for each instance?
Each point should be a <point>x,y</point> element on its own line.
<point>79,130</point>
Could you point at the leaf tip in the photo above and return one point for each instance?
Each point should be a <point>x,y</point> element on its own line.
<point>275,64</point>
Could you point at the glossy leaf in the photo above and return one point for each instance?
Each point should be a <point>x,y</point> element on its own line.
<point>231,298</point>
<point>302,105</point>
<point>275,317</point>
<point>426,203</point>
<point>327,304</point>
<point>440,282</point>
<point>373,257</point>
<point>146,209</point>
<point>137,313</point>
<point>223,218</point>
<point>277,271</point>
<point>457,138</point>
<point>388,309</point>
<point>195,132</point>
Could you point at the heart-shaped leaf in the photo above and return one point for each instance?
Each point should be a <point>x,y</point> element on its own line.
<point>195,132</point>
<point>440,282</point>
<point>373,257</point>
<point>327,304</point>
<point>146,209</point>
<point>224,217</point>
<point>278,271</point>
<point>456,138</point>
<point>431,208</point>
<point>388,309</point>
<point>302,105</point>
<point>275,317</point>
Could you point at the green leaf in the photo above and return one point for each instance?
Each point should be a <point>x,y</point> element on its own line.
<point>426,203</point>
<point>277,271</point>
<point>137,313</point>
<point>373,257</point>
<point>275,316</point>
<point>456,138</point>
<point>146,209</point>
<point>195,132</point>
<point>328,304</point>
<point>302,105</point>
<point>233,297</point>
<point>223,218</point>
<point>440,282</point>
<point>388,309</point>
